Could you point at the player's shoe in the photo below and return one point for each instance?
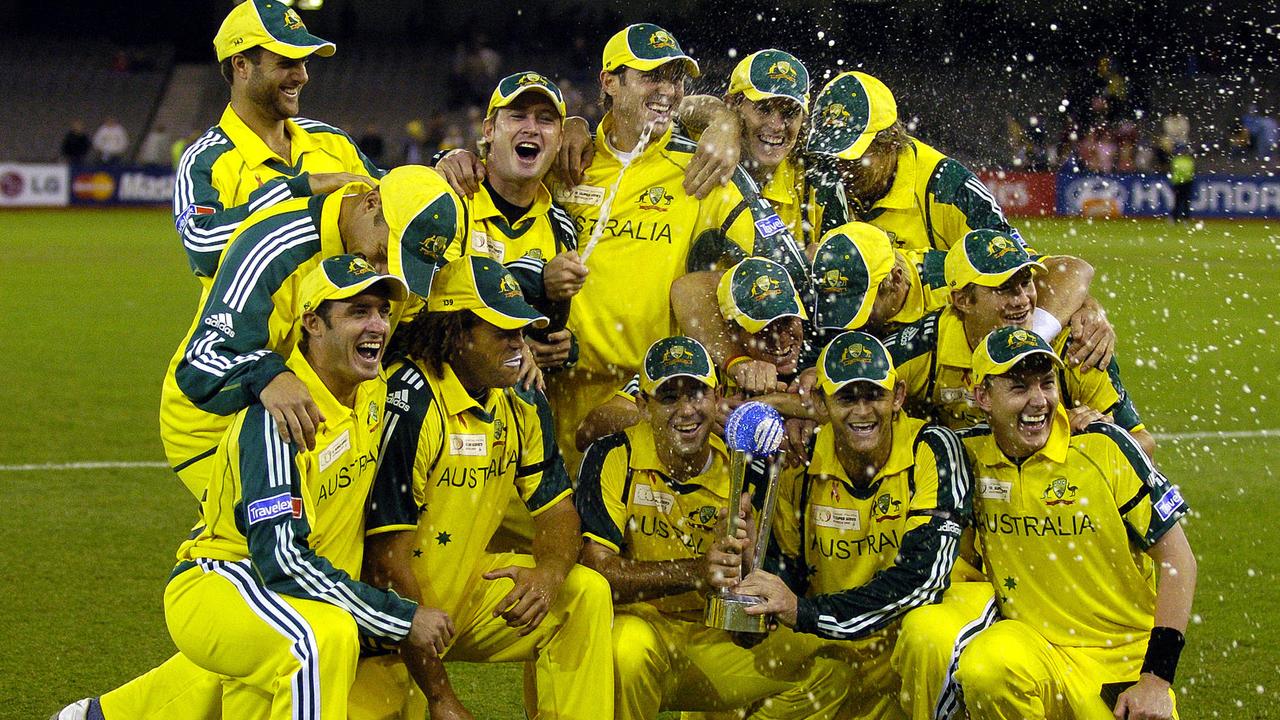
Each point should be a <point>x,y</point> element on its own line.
<point>86,709</point>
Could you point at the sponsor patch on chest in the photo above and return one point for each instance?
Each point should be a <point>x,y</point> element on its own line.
<point>838,518</point>
<point>646,495</point>
<point>581,195</point>
<point>471,444</point>
<point>992,489</point>
<point>335,450</point>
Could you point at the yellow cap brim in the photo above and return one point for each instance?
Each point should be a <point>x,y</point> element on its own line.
<point>994,280</point>
<point>629,60</point>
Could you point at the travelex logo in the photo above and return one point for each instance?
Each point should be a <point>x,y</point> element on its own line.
<point>770,225</point>
<point>1168,503</point>
<point>269,508</point>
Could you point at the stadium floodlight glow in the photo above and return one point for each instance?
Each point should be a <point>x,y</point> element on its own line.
<point>310,4</point>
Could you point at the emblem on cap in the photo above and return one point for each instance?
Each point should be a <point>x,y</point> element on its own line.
<point>678,354</point>
<point>1020,338</point>
<point>856,354</point>
<point>531,79</point>
<point>999,246</point>
<point>508,287</point>
<point>833,281</point>
<point>834,115</point>
<point>764,288</point>
<point>662,39</point>
<point>432,247</point>
<point>782,70</point>
<point>360,266</point>
<point>292,21</point>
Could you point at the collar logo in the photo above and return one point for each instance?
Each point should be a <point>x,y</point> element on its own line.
<point>662,39</point>
<point>782,70</point>
<point>886,508</point>
<point>764,288</point>
<point>508,287</point>
<point>1060,492</point>
<point>1019,339</point>
<point>656,198</point>
<point>678,355</point>
<point>360,266</point>
<point>833,281</point>
<point>856,354</point>
<point>999,246</point>
<point>292,21</point>
<point>834,115</point>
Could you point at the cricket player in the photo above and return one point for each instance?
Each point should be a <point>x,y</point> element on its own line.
<point>512,216</point>
<point>868,531</point>
<point>459,439</point>
<point>258,155</point>
<point>649,499</point>
<point>1092,572</point>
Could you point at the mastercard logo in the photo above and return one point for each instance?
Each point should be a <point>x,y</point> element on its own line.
<point>93,186</point>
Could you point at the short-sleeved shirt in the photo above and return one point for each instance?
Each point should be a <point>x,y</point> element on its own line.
<point>1063,533</point>
<point>297,514</point>
<point>934,359</point>
<point>630,504</point>
<point>450,464</point>
<point>865,553</point>
<point>229,173</point>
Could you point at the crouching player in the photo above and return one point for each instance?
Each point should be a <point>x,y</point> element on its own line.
<point>460,438</point>
<point>868,531</point>
<point>265,594</point>
<point>649,499</point>
<point>1092,572</point>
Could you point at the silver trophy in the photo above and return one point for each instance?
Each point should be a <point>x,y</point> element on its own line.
<point>752,431</point>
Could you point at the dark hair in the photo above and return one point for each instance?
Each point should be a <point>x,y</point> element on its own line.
<point>325,311</point>
<point>432,337</point>
<point>606,100</point>
<point>253,54</point>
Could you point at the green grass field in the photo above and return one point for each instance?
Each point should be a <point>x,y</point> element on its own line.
<point>94,304</point>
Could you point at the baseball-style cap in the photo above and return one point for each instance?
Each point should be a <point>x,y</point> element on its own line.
<point>676,356</point>
<point>855,357</point>
<point>485,287</point>
<point>851,261</point>
<point>755,292</point>
<point>1000,350</point>
<point>848,113</point>
<point>513,86</point>
<point>771,74</point>
<point>345,276</point>
<point>425,216</point>
<point>645,46</point>
<point>270,24</point>
<point>987,258</point>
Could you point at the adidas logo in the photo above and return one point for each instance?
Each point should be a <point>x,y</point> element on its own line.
<point>221,322</point>
<point>399,399</point>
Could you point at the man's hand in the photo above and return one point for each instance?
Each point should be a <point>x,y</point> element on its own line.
<point>1147,700</point>
<point>530,600</point>
<point>530,373</point>
<point>552,354</point>
<point>289,402</point>
<point>756,377</point>
<point>576,150</point>
<point>564,275</point>
<point>718,152</point>
<point>1094,337</point>
<point>431,632</point>
<point>463,170</point>
<point>775,597</point>
<point>1083,415</point>
<point>325,183</point>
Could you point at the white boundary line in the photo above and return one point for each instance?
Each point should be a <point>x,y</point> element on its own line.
<point>109,465</point>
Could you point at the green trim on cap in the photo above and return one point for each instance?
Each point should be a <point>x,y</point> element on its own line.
<point>513,86</point>
<point>755,292</point>
<point>677,356</point>
<point>840,116</point>
<point>645,46</point>
<point>855,357</point>
<point>345,276</point>
<point>484,286</point>
<point>1004,348</point>
<point>987,258</point>
<point>770,74</point>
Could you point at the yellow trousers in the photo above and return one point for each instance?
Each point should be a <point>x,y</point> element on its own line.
<point>1010,671</point>
<point>570,651</point>
<point>666,663</point>
<point>280,657</point>
<point>176,690</point>
<point>930,639</point>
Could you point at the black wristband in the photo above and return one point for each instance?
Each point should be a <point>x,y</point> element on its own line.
<point>1163,650</point>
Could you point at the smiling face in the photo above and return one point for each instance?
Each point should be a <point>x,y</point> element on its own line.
<point>779,343</point>
<point>1021,405</point>
<point>346,338</point>
<point>986,309</point>
<point>646,97</point>
<point>861,416</point>
<point>523,138</point>
<point>681,412</point>
<point>487,356</point>
<point>273,83</point>
<point>769,129</point>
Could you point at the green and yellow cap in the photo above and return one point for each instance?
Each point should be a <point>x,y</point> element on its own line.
<point>513,86</point>
<point>345,276</point>
<point>848,113</point>
<point>855,357</point>
<point>645,46</point>
<point>755,292</point>
<point>987,258</point>
<point>270,24</point>
<point>424,216</point>
<point>676,356</point>
<point>771,74</point>
<point>1000,350</point>
<point>485,287</point>
<point>851,261</point>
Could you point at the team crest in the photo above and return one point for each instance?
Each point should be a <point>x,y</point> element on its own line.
<point>1021,338</point>
<point>833,281</point>
<point>655,198</point>
<point>782,70</point>
<point>678,354</point>
<point>704,518</point>
<point>499,432</point>
<point>764,288</point>
<point>886,508</point>
<point>292,21</point>
<point>536,254</point>
<point>834,115</point>
<point>531,79</point>
<point>373,414</point>
<point>432,247</point>
<point>360,266</point>
<point>856,354</point>
<point>662,39</point>
<point>509,287</point>
<point>999,246</point>
<point>1060,492</point>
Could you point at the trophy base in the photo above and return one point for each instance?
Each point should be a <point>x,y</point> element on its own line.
<point>728,612</point>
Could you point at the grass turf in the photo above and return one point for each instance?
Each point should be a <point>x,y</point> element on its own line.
<point>96,301</point>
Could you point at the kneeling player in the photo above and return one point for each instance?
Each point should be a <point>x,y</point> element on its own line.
<point>1092,572</point>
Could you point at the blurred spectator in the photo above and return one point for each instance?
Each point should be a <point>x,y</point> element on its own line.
<point>110,141</point>
<point>475,71</point>
<point>179,146</point>
<point>75,144</point>
<point>1069,143</point>
<point>1264,132</point>
<point>1098,150</point>
<point>372,144</point>
<point>1019,145</point>
<point>156,147</point>
<point>1039,158</point>
<point>1126,137</point>
<point>1182,175</point>
<point>415,150</point>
